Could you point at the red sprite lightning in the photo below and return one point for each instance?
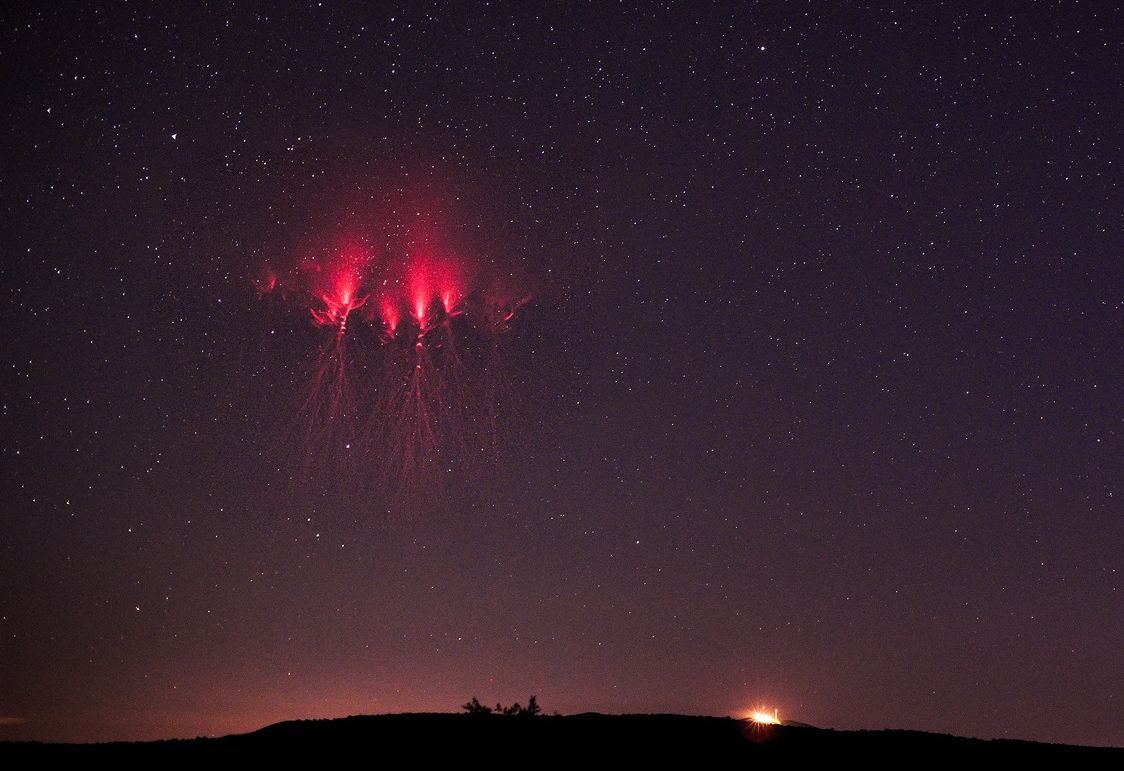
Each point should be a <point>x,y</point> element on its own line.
<point>339,294</point>
<point>426,348</point>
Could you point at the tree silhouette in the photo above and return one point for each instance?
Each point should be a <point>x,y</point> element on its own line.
<point>532,709</point>
<point>474,707</point>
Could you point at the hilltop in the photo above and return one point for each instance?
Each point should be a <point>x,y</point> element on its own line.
<point>553,741</point>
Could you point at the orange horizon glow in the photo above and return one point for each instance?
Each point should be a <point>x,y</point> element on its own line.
<point>762,716</point>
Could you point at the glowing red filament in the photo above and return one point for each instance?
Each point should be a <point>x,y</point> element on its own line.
<point>336,309</point>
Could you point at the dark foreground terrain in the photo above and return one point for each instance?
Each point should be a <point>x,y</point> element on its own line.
<point>562,741</point>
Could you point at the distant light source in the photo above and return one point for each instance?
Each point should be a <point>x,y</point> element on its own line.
<point>764,717</point>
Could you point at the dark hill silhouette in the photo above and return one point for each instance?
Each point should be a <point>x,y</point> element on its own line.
<point>588,739</point>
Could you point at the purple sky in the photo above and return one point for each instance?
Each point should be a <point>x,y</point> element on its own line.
<point>816,403</point>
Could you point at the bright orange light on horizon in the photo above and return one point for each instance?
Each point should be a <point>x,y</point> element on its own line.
<point>764,717</point>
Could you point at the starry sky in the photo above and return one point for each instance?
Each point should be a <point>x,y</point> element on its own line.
<point>816,402</point>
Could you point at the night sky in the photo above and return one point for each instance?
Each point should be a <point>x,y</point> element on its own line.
<point>815,402</point>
